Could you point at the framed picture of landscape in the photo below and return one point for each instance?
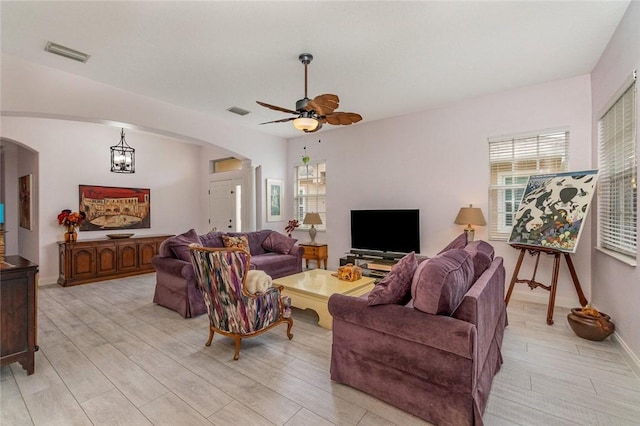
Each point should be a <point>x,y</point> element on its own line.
<point>109,207</point>
<point>553,209</point>
<point>274,200</point>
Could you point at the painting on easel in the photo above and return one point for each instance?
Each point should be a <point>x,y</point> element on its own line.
<point>553,209</point>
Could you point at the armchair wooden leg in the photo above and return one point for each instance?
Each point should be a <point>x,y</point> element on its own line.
<point>210,336</point>
<point>289,325</point>
<point>237,354</point>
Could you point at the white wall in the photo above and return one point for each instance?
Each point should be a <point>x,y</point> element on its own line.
<point>616,285</point>
<point>9,177</point>
<point>75,153</point>
<point>51,112</point>
<point>437,161</point>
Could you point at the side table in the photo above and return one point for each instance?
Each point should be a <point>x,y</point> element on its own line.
<point>317,252</point>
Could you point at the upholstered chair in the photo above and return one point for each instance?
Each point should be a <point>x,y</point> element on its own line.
<point>221,274</point>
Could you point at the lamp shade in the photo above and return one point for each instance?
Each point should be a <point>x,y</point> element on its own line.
<point>306,124</point>
<point>470,216</point>
<point>312,219</point>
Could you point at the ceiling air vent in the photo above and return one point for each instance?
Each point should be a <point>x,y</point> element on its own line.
<point>238,111</point>
<point>58,49</point>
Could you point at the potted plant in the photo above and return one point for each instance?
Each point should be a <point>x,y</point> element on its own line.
<point>70,220</point>
<point>589,323</point>
<point>291,226</point>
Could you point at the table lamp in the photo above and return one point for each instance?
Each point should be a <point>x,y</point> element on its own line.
<point>470,216</point>
<point>312,219</point>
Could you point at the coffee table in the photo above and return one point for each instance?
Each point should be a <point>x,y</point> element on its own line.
<point>311,290</point>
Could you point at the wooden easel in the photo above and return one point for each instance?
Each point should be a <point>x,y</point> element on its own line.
<point>532,283</point>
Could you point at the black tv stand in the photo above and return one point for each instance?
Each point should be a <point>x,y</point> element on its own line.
<point>365,259</point>
<point>376,255</point>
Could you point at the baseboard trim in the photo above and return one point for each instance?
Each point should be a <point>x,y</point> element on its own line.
<point>629,356</point>
<point>567,302</point>
<point>543,298</point>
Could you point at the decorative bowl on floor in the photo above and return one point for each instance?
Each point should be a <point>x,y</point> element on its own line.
<point>590,327</point>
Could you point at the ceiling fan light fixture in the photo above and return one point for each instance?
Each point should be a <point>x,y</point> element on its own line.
<point>305,124</point>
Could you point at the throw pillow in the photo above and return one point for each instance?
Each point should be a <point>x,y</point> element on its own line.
<point>278,243</point>
<point>481,255</point>
<point>212,239</point>
<point>236,242</point>
<point>396,285</point>
<point>458,243</point>
<point>440,283</point>
<point>257,281</point>
<point>180,244</point>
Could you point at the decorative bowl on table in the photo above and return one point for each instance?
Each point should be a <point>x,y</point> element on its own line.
<point>590,324</point>
<point>119,236</point>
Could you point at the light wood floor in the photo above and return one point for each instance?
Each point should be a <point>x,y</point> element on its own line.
<point>108,356</point>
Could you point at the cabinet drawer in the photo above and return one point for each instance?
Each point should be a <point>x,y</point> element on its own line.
<point>314,252</point>
<point>311,251</point>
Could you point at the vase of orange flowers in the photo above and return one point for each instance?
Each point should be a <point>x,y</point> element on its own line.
<point>71,221</point>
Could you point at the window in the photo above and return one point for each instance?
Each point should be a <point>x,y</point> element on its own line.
<point>511,161</point>
<point>618,183</point>
<point>311,192</point>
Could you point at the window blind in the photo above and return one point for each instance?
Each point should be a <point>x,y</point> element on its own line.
<point>311,192</point>
<point>512,159</point>
<point>618,195</point>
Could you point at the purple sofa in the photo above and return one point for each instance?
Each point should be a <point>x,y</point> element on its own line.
<point>434,357</point>
<point>176,286</point>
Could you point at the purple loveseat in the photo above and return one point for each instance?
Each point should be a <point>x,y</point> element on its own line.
<point>176,286</point>
<point>437,366</point>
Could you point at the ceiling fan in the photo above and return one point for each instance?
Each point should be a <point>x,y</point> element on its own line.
<point>312,113</point>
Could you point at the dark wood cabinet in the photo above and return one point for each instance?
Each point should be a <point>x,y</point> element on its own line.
<point>18,295</point>
<point>106,258</point>
<point>103,259</point>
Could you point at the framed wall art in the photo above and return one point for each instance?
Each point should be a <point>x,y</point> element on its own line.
<point>274,200</point>
<point>25,207</point>
<point>109,207</point>
<point>553,209</point>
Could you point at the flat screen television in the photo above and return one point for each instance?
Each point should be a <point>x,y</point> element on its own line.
<point>395,231</point>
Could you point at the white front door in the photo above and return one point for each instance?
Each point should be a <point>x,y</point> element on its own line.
<point>225,205</point>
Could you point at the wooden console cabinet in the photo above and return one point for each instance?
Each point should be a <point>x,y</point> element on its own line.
<point>104,259</point>
<point>18,295</point>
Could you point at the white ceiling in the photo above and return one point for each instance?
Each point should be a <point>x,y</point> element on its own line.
<point>383,59</point>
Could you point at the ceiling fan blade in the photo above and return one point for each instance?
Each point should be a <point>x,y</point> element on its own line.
<point>342,118</point>
<point>284,120</point>
<point>323,104</point>
<point>277,108</point>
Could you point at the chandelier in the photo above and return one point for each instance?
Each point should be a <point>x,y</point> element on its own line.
<point>123,157</point>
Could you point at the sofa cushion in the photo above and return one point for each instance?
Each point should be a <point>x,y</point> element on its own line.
<point>180,244</point>
<point>278,243</point>
<point>439,284</point>
<point>276,265</point>
<point>212,239</point>
<point>240,242</point>
<point>396,285</point>
<point>255,238</point>
<point>482,255</point>
<point>458,243</point>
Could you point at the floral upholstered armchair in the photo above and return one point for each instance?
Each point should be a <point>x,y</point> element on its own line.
<point>221,274</point>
